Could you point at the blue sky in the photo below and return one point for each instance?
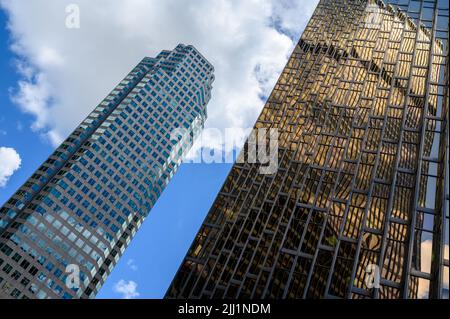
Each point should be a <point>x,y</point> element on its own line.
<point>14,125</point>
<point>163,240</point>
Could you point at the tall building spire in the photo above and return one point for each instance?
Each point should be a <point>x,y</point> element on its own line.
<point>64,230</point>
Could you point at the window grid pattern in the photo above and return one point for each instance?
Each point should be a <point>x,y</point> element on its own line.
<point>86,202</point>
<point>362,112</point>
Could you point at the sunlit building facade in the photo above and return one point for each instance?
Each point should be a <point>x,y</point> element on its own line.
<point>64,230</point>
<point>359,205</point>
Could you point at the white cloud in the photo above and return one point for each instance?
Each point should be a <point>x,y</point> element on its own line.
<point>132,264</point>
<point>66,72</point>
<point>9,162</point>
<point>426,255</point>
<point>126,288</point>
<point>291,16</point>
<point>33,96</point>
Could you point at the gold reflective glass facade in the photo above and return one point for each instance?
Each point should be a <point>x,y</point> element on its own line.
<point>362,113</point>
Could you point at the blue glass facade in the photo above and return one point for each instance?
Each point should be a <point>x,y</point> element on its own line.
<point>82,207</point>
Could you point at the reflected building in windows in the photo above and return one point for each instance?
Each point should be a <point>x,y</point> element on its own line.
<point>362,185</point>
<point>77,213</point>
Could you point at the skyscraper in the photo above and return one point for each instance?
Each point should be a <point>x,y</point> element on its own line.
<point>76,215</point>
<point>359,205</point>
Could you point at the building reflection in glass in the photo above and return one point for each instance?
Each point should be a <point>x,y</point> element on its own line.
<point>362,111</point>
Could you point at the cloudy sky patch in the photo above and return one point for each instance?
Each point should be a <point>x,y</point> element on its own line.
<point>65,72</point>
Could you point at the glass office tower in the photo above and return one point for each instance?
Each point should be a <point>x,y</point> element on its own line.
<point>359,205</point>
<point>77,214</point>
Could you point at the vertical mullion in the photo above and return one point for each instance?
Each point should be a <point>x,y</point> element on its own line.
<point>413,217</point>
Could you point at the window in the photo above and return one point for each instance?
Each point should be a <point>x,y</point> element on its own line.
<point>33,270</point>
<point>15,293</point>
<point>25,281</point>
<point>24,264</point>
<point>16,275</point>
<point>7,268</point>
<point>16,257</point>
